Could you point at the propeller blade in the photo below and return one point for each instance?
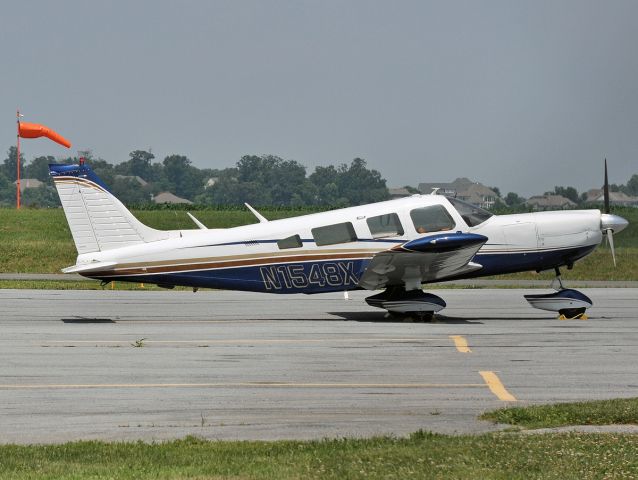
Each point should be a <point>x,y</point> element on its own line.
<point>610,237</point>
<point>606,190</point>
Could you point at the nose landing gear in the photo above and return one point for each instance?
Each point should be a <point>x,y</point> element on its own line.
<point>569,303</point>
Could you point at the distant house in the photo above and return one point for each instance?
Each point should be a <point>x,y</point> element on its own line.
<point>451,188</point>
<point>138,179</point>
<point>28,183</point>
<point>479,195</point>
<point>464,189</point>
<point>168,197</point>
<point>399,192</point>
<point>549,202</point>
<point>596,196</point>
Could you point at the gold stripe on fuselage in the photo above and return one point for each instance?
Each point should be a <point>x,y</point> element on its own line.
<point>253,256</point>
<point>143,270</point>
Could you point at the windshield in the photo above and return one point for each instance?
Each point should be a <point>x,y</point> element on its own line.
<point>471,214</point>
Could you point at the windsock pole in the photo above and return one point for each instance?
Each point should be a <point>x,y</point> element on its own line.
<point>34,130</point>
<point>18,163</point>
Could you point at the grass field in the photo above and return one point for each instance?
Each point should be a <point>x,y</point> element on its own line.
<point>504,455</point>
<point>423,455</point>
<point>620,411</point>
<point>39,241</point>
<point>81,285</point>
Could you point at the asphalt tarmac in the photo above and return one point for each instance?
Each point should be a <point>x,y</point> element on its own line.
<point>128,365</point>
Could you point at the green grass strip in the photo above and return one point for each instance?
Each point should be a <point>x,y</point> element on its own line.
<point>422,455</point>
<point>598,412</point>
<point>81,285</point>
<point>118,285</point>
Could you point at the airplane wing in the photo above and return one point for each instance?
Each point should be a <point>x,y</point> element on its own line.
<point>424,259</point>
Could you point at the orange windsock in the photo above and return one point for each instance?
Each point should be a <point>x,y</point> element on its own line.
<point>35,130</point>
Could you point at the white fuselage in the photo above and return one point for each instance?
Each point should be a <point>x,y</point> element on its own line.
<point>518,242</point>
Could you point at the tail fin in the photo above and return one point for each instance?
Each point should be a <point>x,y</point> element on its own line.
<point>98,221</point>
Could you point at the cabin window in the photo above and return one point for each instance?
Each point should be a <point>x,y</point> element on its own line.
<point>293,241</point>
<point>471,214</point>
<point>387,225</point>
<point>331,234</point>
<point>431,219</point>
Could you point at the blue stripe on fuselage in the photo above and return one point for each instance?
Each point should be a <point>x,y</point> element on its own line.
<point>302,277</point>
<point>504,263</point>
<point>339,275</point>
<point>303,241</point>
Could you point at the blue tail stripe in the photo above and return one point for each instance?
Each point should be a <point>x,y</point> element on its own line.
<point>79,171</point>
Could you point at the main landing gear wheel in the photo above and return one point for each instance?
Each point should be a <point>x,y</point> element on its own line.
<point>407,306</point>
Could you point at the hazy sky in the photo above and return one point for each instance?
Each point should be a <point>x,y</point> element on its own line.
<point>521,95</point>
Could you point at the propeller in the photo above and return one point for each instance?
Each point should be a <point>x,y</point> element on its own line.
<point>610,224</point>
<point>610,237</point>
<point>608,231</point>
<point>606,189</point>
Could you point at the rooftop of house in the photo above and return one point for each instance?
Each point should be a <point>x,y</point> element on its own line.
<point>464,189</point>
<point>550,201</point>
<point>596,195</point>
<point>168,197</point>
<point>460,184</point>
<point>479,189</point>
<point>399,192</point>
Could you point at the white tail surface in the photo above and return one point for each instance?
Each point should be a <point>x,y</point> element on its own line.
<point>99,221</point>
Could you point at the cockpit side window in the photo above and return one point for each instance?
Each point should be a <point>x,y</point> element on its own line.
<point>333,234</point>
<point>387,225</point>
<point>293,241</point>
<point>434,218</point>
<point>471,214</point>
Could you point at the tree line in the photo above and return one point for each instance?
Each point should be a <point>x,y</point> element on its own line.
<point>262,180</point>
<point>256,179</point>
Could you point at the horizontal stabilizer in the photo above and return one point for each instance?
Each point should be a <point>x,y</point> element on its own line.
<point>89,267</point>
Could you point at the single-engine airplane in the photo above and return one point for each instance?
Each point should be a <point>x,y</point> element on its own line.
<point>395,246</point>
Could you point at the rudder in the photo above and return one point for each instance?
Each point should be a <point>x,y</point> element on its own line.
<point>98,221</point>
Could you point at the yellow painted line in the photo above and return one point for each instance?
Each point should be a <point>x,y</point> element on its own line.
<point>461,343</point>
<point>238,384</point>
<point>497,387</point>
<point>247,341</point>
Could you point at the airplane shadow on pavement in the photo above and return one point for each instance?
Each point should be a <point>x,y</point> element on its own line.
<point>86,320</point>
<point>380,317</point>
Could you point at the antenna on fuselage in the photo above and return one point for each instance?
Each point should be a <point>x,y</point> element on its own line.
<point>259,216</point>
<point>197,222</point>
<point>435,190</point>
